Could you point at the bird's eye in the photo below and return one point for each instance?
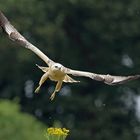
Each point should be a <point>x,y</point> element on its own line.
<point>56,66</point>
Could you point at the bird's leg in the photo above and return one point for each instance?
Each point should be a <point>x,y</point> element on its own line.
<point>57,88</point>
<point>42,80</point>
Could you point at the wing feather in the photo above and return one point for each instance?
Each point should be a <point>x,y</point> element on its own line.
<point>107,79</point>
<point>68,79</point>
<point>44,69</point>
<point>14,35</point>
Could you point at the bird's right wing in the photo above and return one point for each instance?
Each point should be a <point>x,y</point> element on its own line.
<point>107,79</point>
<point>14,35</point>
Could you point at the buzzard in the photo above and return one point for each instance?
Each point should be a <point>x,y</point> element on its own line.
<point>56,71</point>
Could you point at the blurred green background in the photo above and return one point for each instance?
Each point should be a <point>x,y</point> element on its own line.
<point>95,35</point>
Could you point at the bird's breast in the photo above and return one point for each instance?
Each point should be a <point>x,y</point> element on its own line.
<point>56,76</point>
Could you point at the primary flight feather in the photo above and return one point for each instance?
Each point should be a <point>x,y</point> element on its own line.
<point>55,71</point>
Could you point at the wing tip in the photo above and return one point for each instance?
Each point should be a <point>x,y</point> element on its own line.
<point>127,79</point>
<point>133,77</point>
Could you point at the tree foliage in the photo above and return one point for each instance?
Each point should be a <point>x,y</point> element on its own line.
<point>15,125</point>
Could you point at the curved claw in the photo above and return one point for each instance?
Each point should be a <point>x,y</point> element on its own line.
<point>37,90</point>
<point>52,96</point>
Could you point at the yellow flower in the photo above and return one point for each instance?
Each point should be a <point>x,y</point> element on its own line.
<point>57,131</point>
<point>65,130</point>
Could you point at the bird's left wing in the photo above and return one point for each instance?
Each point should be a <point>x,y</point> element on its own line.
<point>14,35</point>
<point>108,79</point>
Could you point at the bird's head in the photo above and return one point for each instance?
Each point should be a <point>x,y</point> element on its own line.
<point>56,67</point>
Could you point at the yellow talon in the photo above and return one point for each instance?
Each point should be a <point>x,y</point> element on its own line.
<point>52,96</point>
<point>37,90</point>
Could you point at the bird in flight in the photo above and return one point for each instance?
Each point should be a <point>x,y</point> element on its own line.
<point>56,71</point>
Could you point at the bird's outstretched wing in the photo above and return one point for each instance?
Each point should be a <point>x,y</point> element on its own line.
<point>14,35</point>
<point>108,79</point>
